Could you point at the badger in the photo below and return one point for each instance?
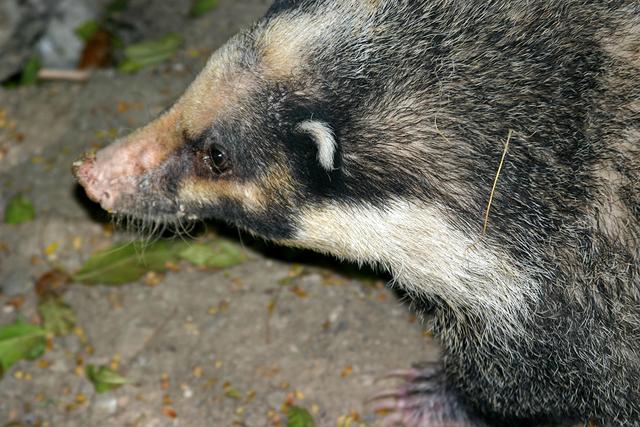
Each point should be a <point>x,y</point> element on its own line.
<point>486,153</point>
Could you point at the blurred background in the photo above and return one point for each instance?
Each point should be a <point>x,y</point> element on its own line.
<point>100,327</point>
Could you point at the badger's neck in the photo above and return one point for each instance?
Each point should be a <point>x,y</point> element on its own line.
<point>426,254</point>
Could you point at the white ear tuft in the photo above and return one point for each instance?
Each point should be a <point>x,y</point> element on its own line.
<point>323,136</point>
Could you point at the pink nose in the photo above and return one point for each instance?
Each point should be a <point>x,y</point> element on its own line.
<point>85,172</point>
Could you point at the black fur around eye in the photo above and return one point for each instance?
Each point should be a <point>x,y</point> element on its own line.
<point>217,160</point>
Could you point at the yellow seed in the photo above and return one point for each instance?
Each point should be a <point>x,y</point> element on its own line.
<point>115,362</point>
<point>52,248</point>
<point>77,243</point>
<point>198,371</point>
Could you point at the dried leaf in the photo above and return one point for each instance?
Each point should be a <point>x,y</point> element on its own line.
<point>97,52</point>
<point>19,210</point>
<point>52,283</point>
<point>20,341</point>
<point>299,417</point>
<point>168,411</point>
<point>104,379</point>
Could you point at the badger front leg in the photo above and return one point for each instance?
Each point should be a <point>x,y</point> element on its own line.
<point>425,400</point>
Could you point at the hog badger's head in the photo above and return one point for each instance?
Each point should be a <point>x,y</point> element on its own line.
<point>260,136</point>
<point>319,128</point>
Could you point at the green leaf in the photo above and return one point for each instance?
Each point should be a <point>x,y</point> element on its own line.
<point>58,317</point>
<point>221,254</point>
<point>137,56</point>
<point>299,417</point>
<point>200,7</point>
<point>20,341</point>
<point>232,393</point>
<point>128,262</point>
<point>117,6</point>
<point>87,29</point>
<point>104,379</point>
<point>29,74</point>
<point>19,210</point>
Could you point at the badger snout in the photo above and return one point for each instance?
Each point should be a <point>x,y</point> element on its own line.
<point>106,177</point>
<point>115,175</point>
<point>98,187</point>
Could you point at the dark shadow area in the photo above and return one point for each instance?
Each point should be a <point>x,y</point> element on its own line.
<point>96,213</point>
<point>268,249</point>
<point>298,256</point>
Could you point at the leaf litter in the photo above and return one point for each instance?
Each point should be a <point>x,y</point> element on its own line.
<point>125,263</point>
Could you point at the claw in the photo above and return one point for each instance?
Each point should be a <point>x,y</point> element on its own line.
<point>386,406</point>
<point>403,374</point>
<point>386,394</point>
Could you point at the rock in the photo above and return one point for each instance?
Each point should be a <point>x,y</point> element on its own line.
<point>59,46</point>
<point>22,23</point>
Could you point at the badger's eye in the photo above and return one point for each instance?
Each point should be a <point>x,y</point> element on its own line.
<point>217,160</point>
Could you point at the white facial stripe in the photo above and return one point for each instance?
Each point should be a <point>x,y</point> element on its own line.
<point>426,254</point>
<point>323,136</point>
<point>291,37</point>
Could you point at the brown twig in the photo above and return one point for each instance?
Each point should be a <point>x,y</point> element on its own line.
<point>66,75</point>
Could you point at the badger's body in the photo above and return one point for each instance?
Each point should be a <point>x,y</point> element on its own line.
<point>374,130</point>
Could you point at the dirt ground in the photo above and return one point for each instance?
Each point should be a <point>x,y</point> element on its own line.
<point>200,348</point>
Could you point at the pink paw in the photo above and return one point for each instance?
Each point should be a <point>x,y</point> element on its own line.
<point>423,401</point>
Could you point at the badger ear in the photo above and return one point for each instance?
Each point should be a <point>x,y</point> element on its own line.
<point>322,134</point>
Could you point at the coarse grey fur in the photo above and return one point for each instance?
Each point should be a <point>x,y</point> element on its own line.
<point>414,104</point>
<point>431,90</point>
